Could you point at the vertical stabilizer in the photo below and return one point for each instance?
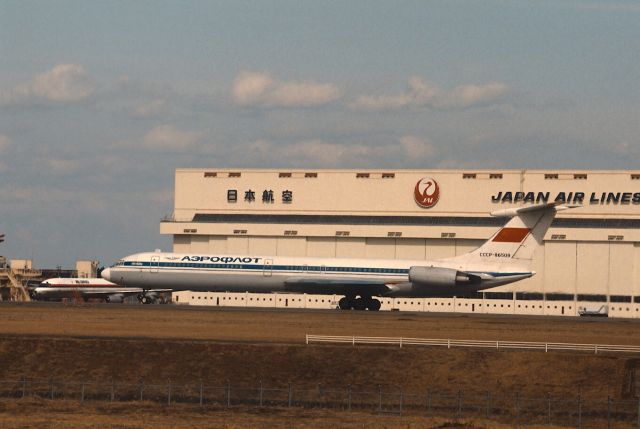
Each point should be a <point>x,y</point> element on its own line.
<point>516,242</point>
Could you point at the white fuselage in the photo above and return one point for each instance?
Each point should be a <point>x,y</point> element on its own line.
<point>58,288</point>
<point>504,258</point>
<point>243,273</point>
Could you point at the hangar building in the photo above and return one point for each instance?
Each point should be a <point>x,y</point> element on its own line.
<point>590,254</point>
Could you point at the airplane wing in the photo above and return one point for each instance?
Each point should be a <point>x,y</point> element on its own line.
<point>336,286</point>
<point>124,291</point>
<point>101,294</point>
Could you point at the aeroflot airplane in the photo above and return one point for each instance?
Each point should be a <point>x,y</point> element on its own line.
<point>505,258</point>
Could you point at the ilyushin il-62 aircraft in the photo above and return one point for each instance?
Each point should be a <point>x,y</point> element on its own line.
<point>504,258</point>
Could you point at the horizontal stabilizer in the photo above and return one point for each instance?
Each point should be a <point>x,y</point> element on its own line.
<point>514,211</point>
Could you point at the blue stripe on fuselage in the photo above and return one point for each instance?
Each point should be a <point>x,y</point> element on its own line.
<point>288,268</point>
<point>304,268</point>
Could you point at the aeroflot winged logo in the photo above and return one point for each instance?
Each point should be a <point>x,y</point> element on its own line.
<point>426,192</point>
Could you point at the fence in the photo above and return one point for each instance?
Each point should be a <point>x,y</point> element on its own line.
<point>513,408</point>
<point>449,343</point>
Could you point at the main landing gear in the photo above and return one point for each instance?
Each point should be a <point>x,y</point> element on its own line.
<point>151,298</point>
<point>361,303</point>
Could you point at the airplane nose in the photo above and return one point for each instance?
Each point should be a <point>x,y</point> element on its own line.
<point>106,274</point>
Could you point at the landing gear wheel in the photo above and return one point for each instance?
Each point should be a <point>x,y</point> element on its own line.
<point>145,300</point>
<point>374,305</point>
<point>359,304</point>
<point>345,304</point>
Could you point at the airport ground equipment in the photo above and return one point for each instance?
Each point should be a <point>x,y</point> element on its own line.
<point>13,281</point>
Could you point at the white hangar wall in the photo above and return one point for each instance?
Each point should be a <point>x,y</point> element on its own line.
<point>429,305</point>
<point>591,253</point>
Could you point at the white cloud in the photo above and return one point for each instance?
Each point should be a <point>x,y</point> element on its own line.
<point>314,152</point>
<point>63,166</point>
<point>416,148</point>
<point>420,93</point>
<point>317,152</point>
<point>304,94</point>
<point>54,198</point>
<point>260,89</point>
<point>64,83</point>
<point>369,102</point>
<point>469,95</point>
<point>4,143</point>
<point>447,164</point>
<point>626,148</point>
<point>163,138</point>
<point>320,152</point>
<point>27,194</point>
<point>167,137</point>
<point>250,87</point>
<point>150,108</point>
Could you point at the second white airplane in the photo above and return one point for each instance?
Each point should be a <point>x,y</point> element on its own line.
<point>56,289</point>
<point>505,258</point>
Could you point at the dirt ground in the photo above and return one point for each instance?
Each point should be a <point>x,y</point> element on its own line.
<point>276,365</point>
<point>185,345</point>
<point>58,414</point>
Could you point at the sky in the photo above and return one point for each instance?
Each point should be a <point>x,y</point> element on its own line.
<point>100,102</point>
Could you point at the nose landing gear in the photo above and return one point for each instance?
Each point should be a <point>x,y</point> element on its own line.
<point>361,303</point>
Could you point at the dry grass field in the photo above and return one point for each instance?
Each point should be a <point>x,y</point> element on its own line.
<point>44,414</point>
<point>290,326</point>
<point>159,343</point>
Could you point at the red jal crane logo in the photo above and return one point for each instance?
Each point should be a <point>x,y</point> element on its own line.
<point>426,192</point>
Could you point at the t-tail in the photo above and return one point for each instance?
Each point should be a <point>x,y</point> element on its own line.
<point>508,255</point>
